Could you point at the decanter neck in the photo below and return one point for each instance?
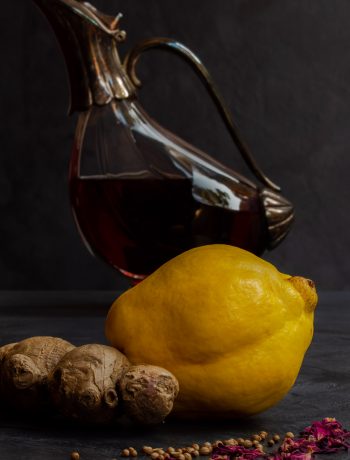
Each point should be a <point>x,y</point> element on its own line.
<point>89,40</point>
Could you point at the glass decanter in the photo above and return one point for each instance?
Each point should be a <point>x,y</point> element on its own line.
<point>140,194</point>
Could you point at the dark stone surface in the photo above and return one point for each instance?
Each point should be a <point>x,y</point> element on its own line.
<point>322,388</point>
<point>283,68</point>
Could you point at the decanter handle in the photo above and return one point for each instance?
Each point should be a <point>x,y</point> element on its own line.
<point>178,48</point>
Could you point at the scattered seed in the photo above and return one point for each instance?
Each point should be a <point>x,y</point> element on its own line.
<point>330,419</point>
<point>231,442</point>
<point>190,452</point>
<point>204,450</point>
<point>75,456</point>
<point>256,437</point>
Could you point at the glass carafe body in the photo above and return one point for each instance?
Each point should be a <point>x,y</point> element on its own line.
<point>141,195</point>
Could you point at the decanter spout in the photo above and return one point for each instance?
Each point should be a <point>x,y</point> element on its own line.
<point>279,213</point>
<point>89,41</point>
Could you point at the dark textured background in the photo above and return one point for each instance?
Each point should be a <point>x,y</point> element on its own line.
<point>284,69</point>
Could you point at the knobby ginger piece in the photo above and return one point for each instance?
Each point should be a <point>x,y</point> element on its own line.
<point>83,384</point>
<point>24,370</point>
<point>148,393</point>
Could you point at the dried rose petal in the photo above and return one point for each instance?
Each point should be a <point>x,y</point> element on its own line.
<point>237,452</point>
<point>321,437</point>
<point>327,427</point>
<point>292,456</point>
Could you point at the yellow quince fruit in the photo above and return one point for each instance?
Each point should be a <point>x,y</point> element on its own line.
<point>226,323</point>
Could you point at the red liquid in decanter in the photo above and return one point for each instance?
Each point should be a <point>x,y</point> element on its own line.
<point>136,225</point>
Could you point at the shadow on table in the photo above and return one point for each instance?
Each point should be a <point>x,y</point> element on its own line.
<point>57,426</point>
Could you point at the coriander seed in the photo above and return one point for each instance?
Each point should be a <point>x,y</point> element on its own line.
<point>204,450</point>
<point>230,442</point>
<point>256,437</point>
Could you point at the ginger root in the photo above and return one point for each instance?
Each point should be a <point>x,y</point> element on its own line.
<point>3,352</point>
<point>5,349</point>
<point>83,383</point>
<point>148,393</point>
<point>25,367</point>
<point>91,383</point>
